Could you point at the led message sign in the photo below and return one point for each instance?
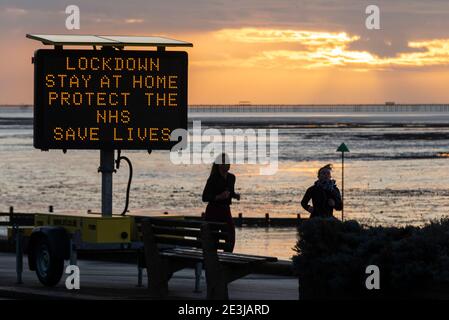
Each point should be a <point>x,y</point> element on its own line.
<point>108,99</point>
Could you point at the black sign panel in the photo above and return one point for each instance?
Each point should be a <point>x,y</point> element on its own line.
<point>108,99</point>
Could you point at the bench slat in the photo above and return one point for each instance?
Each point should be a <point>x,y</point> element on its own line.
<point>178,241</point>
<point>185,223</point>
<point>183,256</point>
<point>186,232</point>
<point>200,258</point>
<point>265,258</point>
<point>225,256</point>
<point>185,242</point>
<point>176,231</point>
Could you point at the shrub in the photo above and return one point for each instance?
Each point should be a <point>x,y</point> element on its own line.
<point>332,257</point>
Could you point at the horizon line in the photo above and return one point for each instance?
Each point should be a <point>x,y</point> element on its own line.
<point>389,104</point>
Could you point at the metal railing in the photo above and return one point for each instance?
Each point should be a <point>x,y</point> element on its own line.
<point>16,220</point>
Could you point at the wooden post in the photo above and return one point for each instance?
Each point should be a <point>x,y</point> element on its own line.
<point>217,282</point>
<point>157,267</point>
<point>18,239</point>
<point>19,254</point>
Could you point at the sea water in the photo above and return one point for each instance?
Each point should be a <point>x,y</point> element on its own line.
<point>395,173</point>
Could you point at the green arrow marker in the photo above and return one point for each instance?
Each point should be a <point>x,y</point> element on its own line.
<point>343,148</point>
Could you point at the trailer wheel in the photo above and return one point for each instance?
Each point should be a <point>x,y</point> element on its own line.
<point>49,267</point>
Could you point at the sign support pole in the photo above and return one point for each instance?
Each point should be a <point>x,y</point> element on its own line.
<point>106,169</point>
<point>343,185</point>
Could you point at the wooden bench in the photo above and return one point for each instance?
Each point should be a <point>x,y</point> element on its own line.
<point>174,244</point>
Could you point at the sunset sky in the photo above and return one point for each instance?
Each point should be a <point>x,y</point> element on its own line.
<point>283,51</point>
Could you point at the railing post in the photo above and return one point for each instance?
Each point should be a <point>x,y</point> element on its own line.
<point>17,236</point>
<point>240,220</point>
<point>19,253</point>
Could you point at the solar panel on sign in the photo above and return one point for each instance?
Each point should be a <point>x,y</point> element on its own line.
<point>54,39</point>
<point>107,40</point>
<point>143,40</point>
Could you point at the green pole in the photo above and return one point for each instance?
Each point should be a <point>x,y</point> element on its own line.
<point>342,148</point>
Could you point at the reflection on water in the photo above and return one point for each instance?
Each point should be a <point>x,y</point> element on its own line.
<point>394,175</point>
<point>275,242</point>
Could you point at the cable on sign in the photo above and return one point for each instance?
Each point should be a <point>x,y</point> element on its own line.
<point>128,189</point>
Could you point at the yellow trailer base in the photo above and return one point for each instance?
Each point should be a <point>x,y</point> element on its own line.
<point>92,228</point>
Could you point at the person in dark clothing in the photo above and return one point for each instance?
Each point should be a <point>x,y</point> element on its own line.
<point>219,192</point>
<point>324,194</point>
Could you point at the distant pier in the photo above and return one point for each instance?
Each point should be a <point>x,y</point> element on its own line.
<point>345,108</point>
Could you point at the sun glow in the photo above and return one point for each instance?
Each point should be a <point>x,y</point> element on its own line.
<point>272,48</point>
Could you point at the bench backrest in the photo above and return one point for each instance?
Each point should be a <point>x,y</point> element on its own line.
<point>186,233</point>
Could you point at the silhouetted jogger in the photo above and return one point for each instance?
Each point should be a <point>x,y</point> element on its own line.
<point>218,192</point>
<point>324,194</point>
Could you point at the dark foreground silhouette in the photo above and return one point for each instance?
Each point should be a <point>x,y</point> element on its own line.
<point>333,256</point>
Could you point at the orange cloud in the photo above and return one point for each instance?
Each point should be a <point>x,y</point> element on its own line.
<point>15,11</point>
<point>308,38</point>
<point>317,50</point>
<point>132,21</point>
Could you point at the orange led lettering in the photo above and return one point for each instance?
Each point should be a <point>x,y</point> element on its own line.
<point>74,82</point>
<point>58,134</point>
<point>166,134</point>
<point>67,64</point>
<point>86,80</point>
<point>115,136</point>
<point>96,66</point>
<point>172,99</point>
<point>83,64</point>
<point>52,96</point>
<point>49,81</point>
<point>172,82</point>
<point>104,82</point>
<point>153,135</point>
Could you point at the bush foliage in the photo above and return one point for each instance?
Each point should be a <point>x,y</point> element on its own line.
<point>332,257</point>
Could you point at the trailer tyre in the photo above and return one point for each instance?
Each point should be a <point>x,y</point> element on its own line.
<point>49,266</point>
